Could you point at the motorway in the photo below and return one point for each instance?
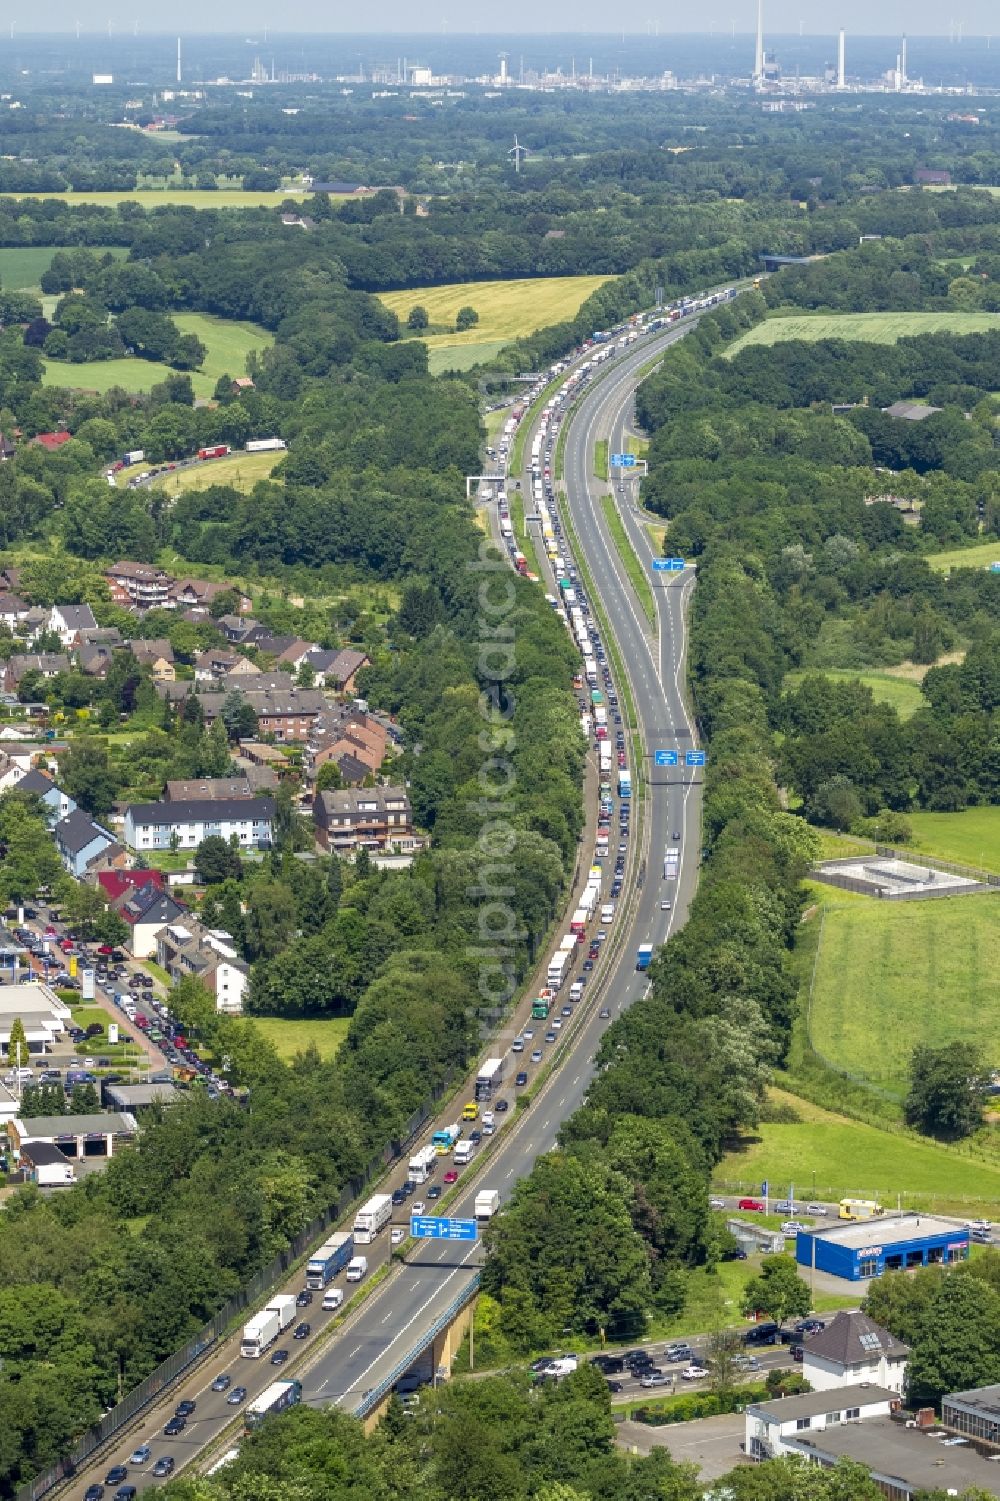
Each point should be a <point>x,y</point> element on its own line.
<point>382,1337</point>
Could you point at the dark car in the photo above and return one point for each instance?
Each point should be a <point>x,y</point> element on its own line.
<point>615,1386</point>
<point>185,1409</point>
<point>116,1475</point>
<point>501,1107</point>
<point>93,1493</point>
<point>434,1192</point>
<point>520,1080</point>
<point>222,1383</point>
<point>408,1189</point>
<point>236,1396</point>
<point>175,1426</point>
<point>796,1352</point>
<point>302,1331</point>
<point>761,1334</point>
<point>304,1298</point>
<point>809,1326</point>
<point>398,1197</point>
<point>279,1357</point>
<point>164,1466</point>
<point>125,1493</point>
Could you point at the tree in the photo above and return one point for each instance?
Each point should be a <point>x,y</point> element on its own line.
<point>17,1047</point>
<point>330,778</point>
<point>948,1086</point>
<point>958,1347</point>
<point>216,861</point>
<point>779,1292</point>
<point>417,318</point>
<point>85,773</point>
<point>466,317</point>
<point>238,716</point>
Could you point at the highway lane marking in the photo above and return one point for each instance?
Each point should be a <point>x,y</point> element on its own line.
<point>356,1351</point>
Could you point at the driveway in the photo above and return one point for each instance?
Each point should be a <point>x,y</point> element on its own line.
<point>713,1444</point>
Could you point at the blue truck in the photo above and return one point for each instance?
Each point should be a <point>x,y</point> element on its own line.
<point>330,1258</point>
<point>645,954</point>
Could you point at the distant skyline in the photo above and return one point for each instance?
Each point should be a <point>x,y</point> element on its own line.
<point>978,18</point>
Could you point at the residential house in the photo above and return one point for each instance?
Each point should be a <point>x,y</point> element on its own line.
<point>337,670</point>
<point>238,627</point>
<point>185,594</point>
<point>190,948</point>
<point>183,825</point>
<point>207,788</point>
<point>69,621</point>
<point>348,735</point>
<point>251,679</point>
<point>51,441</point>
<point>7,447</point>
<point>80,841</point>
<point>242,383</point>
<point>48,663</point>
<point>216,662</point>
<point>141,585</point>
<point>146,910</point>
<point>287,715</point>
<point>158,655</point>
<point>911,411</point>
<point>769,1424</point>
<point>852,1350</point>
<point>932,177</point>
<point>95,658</point>
<point>12,610</point>
<point>11,771</point>
<point>273,646</point>
<point>292,656</point>
<point>371,817</point>
<point>58,804</point>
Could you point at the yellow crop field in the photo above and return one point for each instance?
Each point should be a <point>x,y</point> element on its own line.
<point>164,197</point>
<point>507,310</point>
<point>241,470</point>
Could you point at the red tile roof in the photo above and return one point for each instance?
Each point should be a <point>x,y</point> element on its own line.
<point>114,883</point>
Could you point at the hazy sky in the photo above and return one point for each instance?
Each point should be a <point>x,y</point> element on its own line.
<point>918,17</point>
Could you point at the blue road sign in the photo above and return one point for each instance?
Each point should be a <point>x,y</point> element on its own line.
<point>694,758</point>
<point>439,1227</point>
<point>661,565</point>
<point>623,461</point>
<point>676,565</point>
<point>665,758</point>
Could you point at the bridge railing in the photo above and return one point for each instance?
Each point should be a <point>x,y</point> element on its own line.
<point>373,1396</point>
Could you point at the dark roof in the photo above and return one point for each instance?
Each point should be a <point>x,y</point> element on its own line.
<point>149,905</point>
<point>42,1153</point>
<point>35,781</point>
<point>852,1338</point>
<point>77,617</point>
<point>812,1404</point>
<point>204,810</point>
<point>77,830</point>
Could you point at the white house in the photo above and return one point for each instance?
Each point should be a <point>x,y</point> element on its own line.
<point>852,1350</point>
<point>768,1424</point>
<point>69,621</point>
<point>249,821</point>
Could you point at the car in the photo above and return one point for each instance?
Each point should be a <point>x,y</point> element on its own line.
<point>716,1203</point>
<point>302,1331</point>
<point>434,1192</point>
<point>397,1235</point>
<point>163,1466</point>
<point>796,1352</point>
<point>501,1107</point>
<point>815,1209</point>
<point>746,1363</point>
<point>139,1456</point>
<point>678,1352</point>
<point>475,1137</point>
<point>451,1176</point>
<point>304,1298</point>
<point>588,965</point>
<point>116,1475</point>
<point>185,1409</point>
<point>126,1493</point>
<point>408,1189</point>
<point>754,1204</point>
<point>536,1056</point>
<point>174,1426</point>
<point>677,836</point>
<point>418,1206</point>
<point>810,1326</point>
<point>528,1033</point>
<point>93,1493</point>
<point>693,1373</point>
<point>398,1197</point>
<point>784,1206</point>
<point>634,1358</point>
<point>550,1036</point>
<point>279,1357</point>
<point>764,1333</point>
<point>605,1013</point>
<point>567,1011</point>
<point>222,1383</point>
<point>654,1378</point>
<point>615,1386</point>
<point>791,1227</point>
<point>520,1080</point>
<point>517,1046</point>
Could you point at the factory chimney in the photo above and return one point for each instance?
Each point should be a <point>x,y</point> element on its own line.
<point>178,59</point>
<point>758,62</point>
<point>841,80</point>
<point>902,65</point>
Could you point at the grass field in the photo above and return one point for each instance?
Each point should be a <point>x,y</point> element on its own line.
<point>971,837</point>
<point>631,562</point>
<point>291,1037</point>
<point>161,197</point>
<point>21,266</point>
<point>904,696</point>
<point>227,341</point>
<point>507,311</point>
<point>462,356</point>
<point>601,459</point>
<point>891,975</point>
<point>980,556</point>
<point>874,328</point>
<point>829,1156</point>
<point>241,470</point>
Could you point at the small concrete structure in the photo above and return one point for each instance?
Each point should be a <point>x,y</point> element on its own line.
<point>46,1165</point>
<point>904,1462</point>
<point>895,880</point>
<point>130,1098</point>
<point>756,1240</point>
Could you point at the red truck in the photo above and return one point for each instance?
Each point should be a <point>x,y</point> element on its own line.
<point>216,451</point>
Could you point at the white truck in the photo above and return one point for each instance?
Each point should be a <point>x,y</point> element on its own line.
<point>487,1203</point>
<point>422,1165</point>
<point>464,1152</point>
<point>263,1329</point>
<point>357,1269</point>
<point>265,445</point>
<point>558,965</point>
<point>371,1218</point>
<point>608,912</point>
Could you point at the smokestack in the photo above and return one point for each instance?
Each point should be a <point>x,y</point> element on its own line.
<point>178,59</point>
<point>902,64</point>
<point>841,81</point>
<point>758,62</point>
<point>898,75</point>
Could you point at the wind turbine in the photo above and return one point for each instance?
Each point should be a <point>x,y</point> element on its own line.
<point>518,152</point>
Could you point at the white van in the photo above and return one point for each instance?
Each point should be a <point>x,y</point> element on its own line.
<point>357,1268</point>
<point>608,912</point>
<point>332,1298</point>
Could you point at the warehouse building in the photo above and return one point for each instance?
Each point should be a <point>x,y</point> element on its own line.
<point>891,1243</point>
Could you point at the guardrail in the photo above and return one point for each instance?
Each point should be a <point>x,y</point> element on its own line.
<point>373,1396</point>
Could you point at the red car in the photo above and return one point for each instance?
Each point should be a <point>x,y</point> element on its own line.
<point>754,1204</point>
<point>66,944</point>
<point>451,1176</point>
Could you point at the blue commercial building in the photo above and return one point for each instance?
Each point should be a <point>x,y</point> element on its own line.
<point>858,1250</point>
